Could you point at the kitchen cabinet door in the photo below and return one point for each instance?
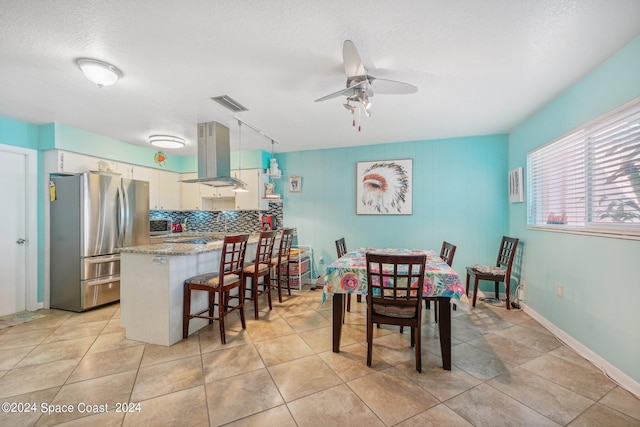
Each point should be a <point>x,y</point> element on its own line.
<point>190,193</point>
<point>150,175</point>
<point>169,191</point>
<point>254,198</point>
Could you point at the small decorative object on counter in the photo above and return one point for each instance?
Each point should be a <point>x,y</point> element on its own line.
<point>160,158</point>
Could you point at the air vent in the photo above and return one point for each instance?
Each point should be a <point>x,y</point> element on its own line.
<point>229,103</point>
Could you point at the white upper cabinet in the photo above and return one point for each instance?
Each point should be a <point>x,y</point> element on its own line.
<point>164,188</point>
<point>190,193</point>
<point>254,198</point>
<point>169,190</point>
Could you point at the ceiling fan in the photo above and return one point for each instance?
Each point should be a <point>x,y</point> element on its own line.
<point>361,86</point>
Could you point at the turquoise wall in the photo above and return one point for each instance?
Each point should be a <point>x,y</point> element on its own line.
<point>25,135</point>
<point>55,136</point>
<point>459,195</point>
<point>600,275</point>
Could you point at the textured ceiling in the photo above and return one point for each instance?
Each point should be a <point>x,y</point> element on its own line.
<point>481,66</point>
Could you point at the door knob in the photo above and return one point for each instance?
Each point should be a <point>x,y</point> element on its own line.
<point>21,241</point>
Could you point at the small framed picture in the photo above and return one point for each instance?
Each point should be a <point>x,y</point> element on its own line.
<point>516,190</point>
<point>295,184</point>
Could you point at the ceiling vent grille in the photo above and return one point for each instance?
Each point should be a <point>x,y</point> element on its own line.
<point>229,103</point>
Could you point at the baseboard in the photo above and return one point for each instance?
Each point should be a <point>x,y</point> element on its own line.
<point>615,374</point>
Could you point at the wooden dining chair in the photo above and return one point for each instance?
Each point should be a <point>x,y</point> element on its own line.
<point>501,273</point>
<point>447,252</point>
<point>260,267</point>
<point>395,286</point>
<point>341,249</point>
<point>280,263</point>
<point>230,270</point>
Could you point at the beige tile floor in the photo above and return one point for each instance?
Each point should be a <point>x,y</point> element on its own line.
<point>508,371</point>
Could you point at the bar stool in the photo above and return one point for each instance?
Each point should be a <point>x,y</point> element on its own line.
<point>231,264</point>
<point>260,267</point>
<point>281,263</point>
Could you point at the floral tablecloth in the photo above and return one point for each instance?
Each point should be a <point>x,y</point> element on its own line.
<point>348,275</point>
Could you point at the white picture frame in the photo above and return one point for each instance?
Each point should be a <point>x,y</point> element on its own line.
<point>384,187</point>
<point>516,189</point>
<point>295,184</point>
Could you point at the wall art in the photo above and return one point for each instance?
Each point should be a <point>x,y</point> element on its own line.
<point>384,187</point>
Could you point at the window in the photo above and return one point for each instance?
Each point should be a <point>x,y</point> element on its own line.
<point>589,180</point>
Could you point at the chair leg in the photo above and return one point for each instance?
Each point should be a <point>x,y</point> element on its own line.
<point>369,342</point>
<point>506,289</point>
<point>413,337</point>
<point>435,310</point>
<point>348,302</point>
<point>254,295</point>
<point>212,305</point>
<point>222,308</point>
<point>186,311</point>
<point>467,284</point>
<point>497,289</point>
<point>418,342</point>
<point>475,290</point>
<point>267,280</point>
<point>241,309</point>
<point>359,298</point>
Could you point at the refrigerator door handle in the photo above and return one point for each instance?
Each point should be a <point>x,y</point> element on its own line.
<point>121,218</point>
<point>126,215</point>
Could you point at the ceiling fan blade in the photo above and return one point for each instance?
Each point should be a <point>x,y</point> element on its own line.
<point>385,86</point>
<point>342,92</point>
<point>352,63</point>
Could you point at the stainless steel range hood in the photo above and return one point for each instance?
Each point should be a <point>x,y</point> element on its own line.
<point>214,156</point>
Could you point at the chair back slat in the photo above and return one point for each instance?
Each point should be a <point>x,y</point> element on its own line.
<point>265,247</point>
<point>233,252</point>
<point>285,245</point>
<point>341,247</point>
<point>447,252</point>
<point>395,279</point>
<point>507,251</point>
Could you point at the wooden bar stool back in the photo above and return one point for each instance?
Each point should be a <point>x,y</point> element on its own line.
<point>260,267</point>
<point>281,263</point>
<point>230,270</point>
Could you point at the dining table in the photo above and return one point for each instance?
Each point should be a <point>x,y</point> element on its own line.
<point>348,275</point>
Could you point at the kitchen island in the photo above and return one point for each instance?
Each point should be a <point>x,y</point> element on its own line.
<point>151,287</point>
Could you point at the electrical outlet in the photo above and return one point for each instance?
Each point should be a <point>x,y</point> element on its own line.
<point>560,290</point>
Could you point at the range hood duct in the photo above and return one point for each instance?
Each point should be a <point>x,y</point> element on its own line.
<point>214,156</point>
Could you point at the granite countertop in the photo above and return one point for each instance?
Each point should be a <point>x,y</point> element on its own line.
<point>183,248</point>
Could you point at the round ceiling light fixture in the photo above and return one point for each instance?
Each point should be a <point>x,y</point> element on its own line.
<point>99,72</point>
<point>166,141</point>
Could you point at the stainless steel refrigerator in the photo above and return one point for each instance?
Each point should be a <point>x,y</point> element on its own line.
<point>93,215</point>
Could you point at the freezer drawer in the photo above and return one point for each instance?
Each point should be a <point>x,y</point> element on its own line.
<point>100,266</point>
<point>100,291</point>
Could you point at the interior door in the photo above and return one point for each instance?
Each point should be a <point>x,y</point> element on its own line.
<point>13,235</point>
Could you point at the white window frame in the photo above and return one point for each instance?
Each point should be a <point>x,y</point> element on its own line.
<point>576,155</point>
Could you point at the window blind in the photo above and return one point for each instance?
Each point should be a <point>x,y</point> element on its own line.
<point>589,179</point>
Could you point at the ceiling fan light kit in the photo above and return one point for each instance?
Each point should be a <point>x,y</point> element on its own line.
<point>99,72</point>
<point>361,85</point>
<point>166,141</point>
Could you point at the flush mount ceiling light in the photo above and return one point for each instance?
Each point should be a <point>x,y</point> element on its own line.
<point>99,72</point>
<point>166,141</point>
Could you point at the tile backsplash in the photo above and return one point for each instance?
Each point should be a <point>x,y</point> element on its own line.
<point>222,221</point>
